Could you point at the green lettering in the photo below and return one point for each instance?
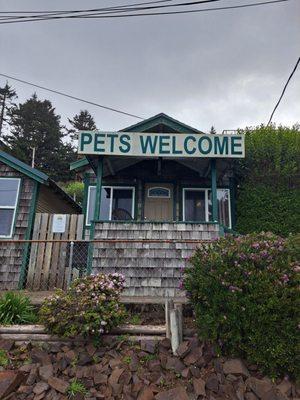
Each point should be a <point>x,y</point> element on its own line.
<point>174,150</point>
<point>221,145</point>
<point>185,145</point>
<point>236,145</point>
<point>85,138</point>
<point>148,142</point>
<point>112,137</point>
<point>98,142</point>
<point>209,145</point>
<point>125,142</point>
<point>164,141</point>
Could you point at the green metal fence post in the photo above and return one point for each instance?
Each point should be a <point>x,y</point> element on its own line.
<point>96,214</point>
<point>214,196</point>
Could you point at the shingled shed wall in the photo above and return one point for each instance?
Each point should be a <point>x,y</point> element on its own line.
<point>11,253</point>
<point>150,269</point>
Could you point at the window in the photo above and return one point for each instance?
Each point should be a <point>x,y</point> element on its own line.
<point>117,203</point>
<point>223,196</point>
<point>9,192</point>
<point>197,205</point>
<point>159,192</point>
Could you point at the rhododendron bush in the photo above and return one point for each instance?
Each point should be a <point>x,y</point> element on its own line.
<point>245,294</point>
<point>90,307</point>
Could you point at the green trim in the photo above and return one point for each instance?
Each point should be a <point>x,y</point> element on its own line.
<point>82,162</point>
<point>161,119</point>
<point>96,213</point>
<point>23,168</point>
<point>26,250</point>
<point>214,195</point>
<point>130,221</point>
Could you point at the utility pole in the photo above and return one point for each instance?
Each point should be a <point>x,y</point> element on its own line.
<point>33,157</point>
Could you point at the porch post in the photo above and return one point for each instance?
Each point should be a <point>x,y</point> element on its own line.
<point>214,198</point>
<point>96,215</point>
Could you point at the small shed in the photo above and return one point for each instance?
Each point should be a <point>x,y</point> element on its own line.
<point>24,191</point>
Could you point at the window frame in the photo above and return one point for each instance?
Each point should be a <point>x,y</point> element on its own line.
<point>11,207</point>
<point>87,223</point>
<point>159,197</point>
<point>206,190</point>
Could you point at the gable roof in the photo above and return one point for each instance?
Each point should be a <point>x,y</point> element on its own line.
<point>146,124</point>
<point>37,175</point>
<point>158,119</point>
<point>25,169</point>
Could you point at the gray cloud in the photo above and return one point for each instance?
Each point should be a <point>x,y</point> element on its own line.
<point>222,68</point>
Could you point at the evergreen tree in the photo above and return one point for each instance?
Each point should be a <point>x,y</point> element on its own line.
<point>7,94</point>
<point>81,122</point>
<point>212,131</point>
<point>34,124</point>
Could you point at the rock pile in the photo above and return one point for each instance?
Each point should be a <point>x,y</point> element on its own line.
<point>123,370</point>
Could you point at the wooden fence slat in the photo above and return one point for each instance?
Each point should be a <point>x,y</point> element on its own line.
<point>40,252</point>
<point>47,264</point>
<point>33,252</point>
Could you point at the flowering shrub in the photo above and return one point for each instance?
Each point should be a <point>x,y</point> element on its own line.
<point>90,307</point>
<point>245,293</point>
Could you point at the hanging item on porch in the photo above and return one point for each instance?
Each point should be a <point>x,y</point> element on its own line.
<point>144,144</point>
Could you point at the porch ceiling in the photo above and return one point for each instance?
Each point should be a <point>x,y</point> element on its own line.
<point>113,164</point>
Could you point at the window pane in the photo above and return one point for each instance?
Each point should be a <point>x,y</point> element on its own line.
<point>8,192</point>
<point>122,204</point>
<point>159,192</point>
<point>194,205</point>
<point>223,206</point>
<point>105,204</point>
<point>6,220</point>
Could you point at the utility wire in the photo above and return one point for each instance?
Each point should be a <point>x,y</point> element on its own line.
<point>72,97</point>
<point>109,10</point>
<point>101,16</point>
<point>283,91</point>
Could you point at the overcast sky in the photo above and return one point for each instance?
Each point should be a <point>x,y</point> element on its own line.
<point>224,68</point>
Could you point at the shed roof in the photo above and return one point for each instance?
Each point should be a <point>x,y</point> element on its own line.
<point>37,175</point>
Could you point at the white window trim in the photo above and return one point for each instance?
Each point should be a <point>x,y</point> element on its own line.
<point>110,203</point>
<point>159,197</point>
<point>11,208</point>
<point>206,190</point>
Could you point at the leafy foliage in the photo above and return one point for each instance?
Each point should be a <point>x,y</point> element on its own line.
<point>245,293</point>
<point>75,190</point>
<point>4,360</point>
<point>90,307</point>
<point>7,94</point>
<point>269,177</point>
<point>76,387</point>
<point>34,124</point>
<point>16,308</point>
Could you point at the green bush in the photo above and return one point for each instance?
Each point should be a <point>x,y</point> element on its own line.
<point>90,307</point>
<point>274,210</point>
<point>268,196</point>
<point>15,308</point>
<point>245,294</point>
<point>75,190</point>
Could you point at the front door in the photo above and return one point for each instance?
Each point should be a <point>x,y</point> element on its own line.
<point>158,202</point>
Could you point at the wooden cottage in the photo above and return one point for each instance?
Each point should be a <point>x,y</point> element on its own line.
<point>24,191</point>
<point>153,191</point>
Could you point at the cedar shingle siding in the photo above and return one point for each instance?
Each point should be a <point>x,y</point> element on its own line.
<point>11,253</point>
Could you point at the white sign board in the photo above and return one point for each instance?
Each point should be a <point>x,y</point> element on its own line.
<point>144,144</point>
<point>59,223</point>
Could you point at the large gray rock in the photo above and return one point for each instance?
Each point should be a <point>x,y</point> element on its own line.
<point>235,367</point>
<point>259,386</point>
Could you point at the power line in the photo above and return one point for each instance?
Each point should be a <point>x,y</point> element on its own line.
<point>101,11</point>
<point>283,91</point>
<point>72,97</point>
<point>101,16</point>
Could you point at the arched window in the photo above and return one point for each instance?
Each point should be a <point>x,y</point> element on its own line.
<point>161,192</point>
